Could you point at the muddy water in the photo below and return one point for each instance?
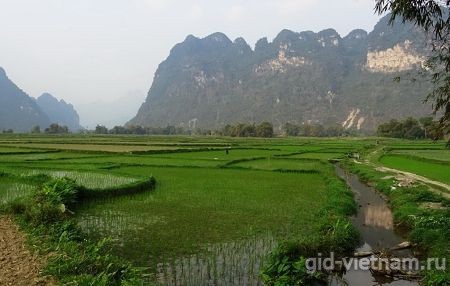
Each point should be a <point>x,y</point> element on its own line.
<point>375,223</point>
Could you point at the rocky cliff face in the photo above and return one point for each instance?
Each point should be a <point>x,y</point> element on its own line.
<point>298,77</point>
<point>18,111</point>
<point>59,111</point>
<point>397,59</point>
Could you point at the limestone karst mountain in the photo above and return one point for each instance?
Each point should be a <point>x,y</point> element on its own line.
<point>298,78</point>
<point>20,112</point>
<point>59,111</point>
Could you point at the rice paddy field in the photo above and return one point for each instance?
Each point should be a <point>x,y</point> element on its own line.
<point>428,160</point>
<point>220,205</point>
<point>439,171</point>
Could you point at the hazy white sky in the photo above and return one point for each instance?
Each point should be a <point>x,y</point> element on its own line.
<point>90,50</point>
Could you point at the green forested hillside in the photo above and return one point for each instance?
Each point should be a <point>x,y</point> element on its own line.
<point>300,78</point>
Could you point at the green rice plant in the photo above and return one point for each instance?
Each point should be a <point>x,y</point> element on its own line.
<point>87,179</point>
<point>42,156</point>
<point>10,191</point>
<point>145,160</point>
<point>416,145</point>
<point>213,262</point>
<point>96,147</point>
<point>11,150</point>
<point>214,206</point>
<point>279,164</point>
<point>233,154</point>
<point>122,189</point>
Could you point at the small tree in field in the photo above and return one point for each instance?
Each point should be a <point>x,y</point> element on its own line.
<point>100,129</point>
<point>265,130</point>
<point>55,128</point>
<point>36,129</point>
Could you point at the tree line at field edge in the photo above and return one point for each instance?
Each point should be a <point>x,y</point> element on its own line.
<point>409,128</point>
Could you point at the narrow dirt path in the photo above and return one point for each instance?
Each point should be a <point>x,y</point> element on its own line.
<point>406,176</point>
<point>415,177</point>
<point>18,266</point>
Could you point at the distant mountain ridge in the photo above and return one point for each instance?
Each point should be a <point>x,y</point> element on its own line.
<point>301,77</point>
<point>20,112</point>
<point>59,111</point>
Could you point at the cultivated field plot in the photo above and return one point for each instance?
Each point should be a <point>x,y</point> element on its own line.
<point>319,155</point>
<point>427,159</point>
<point>5,150</point>
<point>89,180</point>
<point>42,156</point>
<point>438,155</point>
<point>281,164</point>
<point>144,160</point>
<point>432,170</point>
<point>221,155</point>
<point>206,206</point>
<point>411,145</point>
<point>220,204</point>
<point>98,147</point>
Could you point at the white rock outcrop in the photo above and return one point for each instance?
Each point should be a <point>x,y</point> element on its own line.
<point>281,63</point>
<point>399,58</point>
<point>354,119</point>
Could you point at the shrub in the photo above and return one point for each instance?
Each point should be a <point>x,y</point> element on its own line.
<point>89,264</point>
<point>48,205</point>
<point>58,191</point>
<point>287,266</point>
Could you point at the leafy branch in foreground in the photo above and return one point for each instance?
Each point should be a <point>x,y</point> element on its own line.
<point>434,18</point>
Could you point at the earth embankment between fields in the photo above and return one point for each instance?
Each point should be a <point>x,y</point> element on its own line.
<point>18,266</point>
